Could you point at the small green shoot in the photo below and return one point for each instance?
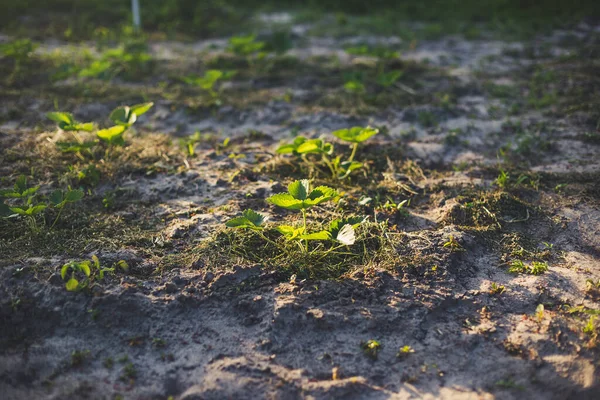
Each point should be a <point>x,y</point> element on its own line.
<point>535,268</point>
<point>371,348</point>
<point>453,244</point>
<point>496,289</point>
<point>404,351</point>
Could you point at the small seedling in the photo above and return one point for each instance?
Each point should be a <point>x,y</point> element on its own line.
<point>20,51</point>
<point>590,327</point>
<point>31,207</point>
<point>404,351</point>
<point>539,313</point>
<point>496,289</point>
<point>535,268</point>
<point>453,244</point>
<point>91,270</point>
<point>355,135</point>
<point>371,348</point>
<point>209,81</point>
<point>123,117</point>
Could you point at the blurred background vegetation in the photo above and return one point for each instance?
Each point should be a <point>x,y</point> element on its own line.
<point>79,19</point>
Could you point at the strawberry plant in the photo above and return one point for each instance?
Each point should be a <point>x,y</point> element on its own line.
<point>83,274</point>
<point>209,81</point>
<point>123,117</point>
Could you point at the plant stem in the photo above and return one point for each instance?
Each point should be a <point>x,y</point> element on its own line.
<point>304,232</point>
<point>262,235</point>
<point>57,217</point>
<point>328,163</point>
<point>353,152</point>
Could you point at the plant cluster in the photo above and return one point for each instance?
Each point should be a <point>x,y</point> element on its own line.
<point>300,196</point>
<point>122,117</point>
<point>80,275</point>
<point>25,202</point>
<point>324,151</point>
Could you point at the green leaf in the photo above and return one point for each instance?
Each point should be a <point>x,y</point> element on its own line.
<point>322,235</point>
<point>286,149</point>
<point>310,146</point>
<point>57,197</point>
<point>72,284</point>
<point>84,267</point>
<point>74,195</point>
<point>139,109</point>
<point>290,232</point>
<point>122,116</point>
<point>64,270</point>
<point>86,127</point>
<point>286,200</point>
<point>356,134</point>
<point>64,117</point>
<point>18,210</point>
<point>254,217</point>
<point>113,135</point>
<point>36,209</point>
<point>21,184</point>
<point>250,220</point>
<point>299,189</point>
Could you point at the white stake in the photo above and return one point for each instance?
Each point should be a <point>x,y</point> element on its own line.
<point>135,10</point>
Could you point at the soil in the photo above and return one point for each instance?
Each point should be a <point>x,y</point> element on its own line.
<point>185,323</point>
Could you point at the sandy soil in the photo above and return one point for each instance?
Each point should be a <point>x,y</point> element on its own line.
<point>205,332</point>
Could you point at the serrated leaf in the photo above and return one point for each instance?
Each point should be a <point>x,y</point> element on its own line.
<point>72,284</point>
<point>139,109</point>
<point>56,197</point>
<point>58,117</point>
<point>254,217</point>
<point>36,209</point>
<point>299,189</point>
<point>290,232</point>
<point>74,195</point>
<point>286,200</point>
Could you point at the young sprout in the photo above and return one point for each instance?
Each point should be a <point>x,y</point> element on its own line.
<point>355,135</point>
<point>404,351</point>
<point>123,117</point>
<point>371,348</point>
<point>301,196</point>
<point>29,209</point>
<point>209,80</point>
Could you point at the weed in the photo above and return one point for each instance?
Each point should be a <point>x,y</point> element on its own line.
<point>371,348</point>
<point>158,342</point>
<point>108,363</point>
<point>129,373</point>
